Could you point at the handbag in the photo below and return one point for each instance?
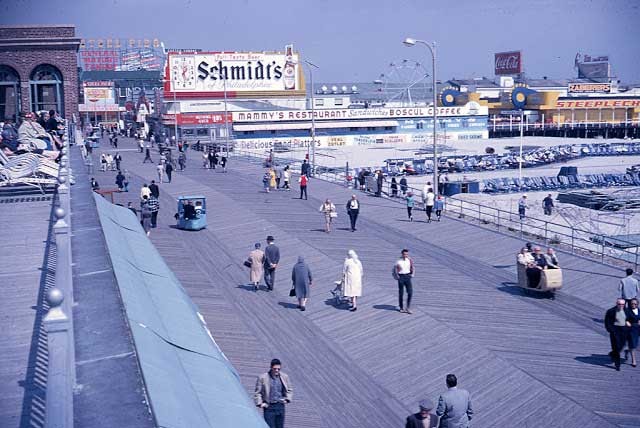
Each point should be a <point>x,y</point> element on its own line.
<point>292,292</point>
<point>333,214</point>
<point>247,263</point>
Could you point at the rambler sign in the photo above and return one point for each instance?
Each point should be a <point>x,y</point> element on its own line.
<point>470,109</point>
<point>234,71</point>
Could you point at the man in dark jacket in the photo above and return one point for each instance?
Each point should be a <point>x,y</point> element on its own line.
<point>155,190</point>
<point>547,205</point>
<point>423,418</point>
<point>353,209</point>
<point>615,324</point>
<point>305,168</point>
<point>168,169</point>
<point>271,260</point>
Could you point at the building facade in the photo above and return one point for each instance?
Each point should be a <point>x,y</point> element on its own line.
<point>38,70</point>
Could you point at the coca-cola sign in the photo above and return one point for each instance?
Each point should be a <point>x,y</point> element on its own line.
<point>508,63</point>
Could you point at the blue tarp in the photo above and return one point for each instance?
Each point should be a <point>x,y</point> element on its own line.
<point>189,381</point>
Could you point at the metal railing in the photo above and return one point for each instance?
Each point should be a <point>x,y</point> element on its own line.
<point>565,237</point>
<point>58,322</point>
<point>539,230</point>
<point>336,175</point>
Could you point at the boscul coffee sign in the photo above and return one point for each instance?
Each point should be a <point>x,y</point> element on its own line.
<point>508,63</point>
<point>233,72</point>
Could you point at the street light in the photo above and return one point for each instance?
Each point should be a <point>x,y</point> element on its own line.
<point>311,66</point>
<point>409,42</point>
<point>226,113</point>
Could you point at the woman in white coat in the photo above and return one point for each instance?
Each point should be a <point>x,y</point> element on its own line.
<point>352,274</point>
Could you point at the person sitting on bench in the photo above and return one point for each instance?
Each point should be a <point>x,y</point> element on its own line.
<point>534,270</point>
<point>552,259</point>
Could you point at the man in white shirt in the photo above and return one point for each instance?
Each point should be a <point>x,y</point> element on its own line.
<point>404,272</point>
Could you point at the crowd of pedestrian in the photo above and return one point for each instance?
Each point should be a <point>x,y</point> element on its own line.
<point>273,389</point>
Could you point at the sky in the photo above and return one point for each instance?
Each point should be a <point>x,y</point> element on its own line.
<point>356,41</point>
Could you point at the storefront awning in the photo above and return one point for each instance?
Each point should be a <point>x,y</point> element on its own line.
<point>319,125</point>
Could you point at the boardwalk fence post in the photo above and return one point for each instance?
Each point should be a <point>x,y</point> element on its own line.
<point>572,230</point>
<point>59,401</point>
<point>63,273</point>
<point>498,219</point>
<point>546,224</point>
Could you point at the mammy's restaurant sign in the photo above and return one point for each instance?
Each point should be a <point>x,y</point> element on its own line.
<point>234,71</point>
<point>470,109</point>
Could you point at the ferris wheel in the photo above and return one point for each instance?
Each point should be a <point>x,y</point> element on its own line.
<point>405,83</point>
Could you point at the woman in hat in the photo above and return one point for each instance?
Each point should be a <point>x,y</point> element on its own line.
<point>424,418</point>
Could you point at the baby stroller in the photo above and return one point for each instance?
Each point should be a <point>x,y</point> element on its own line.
<point>338,294</point>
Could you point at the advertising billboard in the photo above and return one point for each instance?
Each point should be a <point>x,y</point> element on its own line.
<point>234,72</point>
<point>592,67</point>
<point>120,54</point>
<point>508,63</point>
<point>589,88</point>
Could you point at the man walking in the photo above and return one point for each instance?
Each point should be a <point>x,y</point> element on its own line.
<point>271,260</point>
<point>223,163</point>
<point>154,207</point>
<point>615,323</point>
<point>353,209</point>
<point>403,272</point>
<point>547,205</point>
<point>304,170</point>
<point>273,390</point>
<point>118,160</point>
<point>169,169</point>
<point>303,186</point>
<point>147,155</point>
<point>628,287</point>
<point>154,189</point>
<point>522,207</point>
<point>160,171</point>
<point>454,406</point>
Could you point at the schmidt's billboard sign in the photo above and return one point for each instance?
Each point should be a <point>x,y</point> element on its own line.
<point>215,73</point>
<point>508,63</point>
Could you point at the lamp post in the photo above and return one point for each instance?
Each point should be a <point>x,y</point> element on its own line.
<point>409,42</point>
<point>311,66</point>
<point>226,121</point>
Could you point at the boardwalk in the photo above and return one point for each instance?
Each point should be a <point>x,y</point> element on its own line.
<point>526,361</point>
<point>26,271</point>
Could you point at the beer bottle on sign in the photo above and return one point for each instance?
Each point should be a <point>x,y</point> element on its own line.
<point>289,71</point>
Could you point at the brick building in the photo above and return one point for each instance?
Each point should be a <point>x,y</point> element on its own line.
<point>38,69</point>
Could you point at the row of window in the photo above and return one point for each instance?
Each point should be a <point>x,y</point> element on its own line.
<point>45,91</point>
<point>319,102</point>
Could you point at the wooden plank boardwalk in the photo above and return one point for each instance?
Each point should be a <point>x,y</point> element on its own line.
<point>527,361</point>
<point>26,271</point>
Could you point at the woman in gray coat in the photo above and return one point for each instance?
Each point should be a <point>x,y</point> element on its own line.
<point>301,278</point>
